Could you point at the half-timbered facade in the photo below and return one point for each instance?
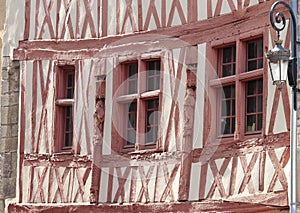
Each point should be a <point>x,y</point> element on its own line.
<point>153,105</point>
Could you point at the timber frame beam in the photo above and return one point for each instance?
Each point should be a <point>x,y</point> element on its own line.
<point>189,34</point>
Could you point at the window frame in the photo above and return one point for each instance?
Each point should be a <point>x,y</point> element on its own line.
<point>142,95</point>
<point>62,102</point>
<point>240,79</point>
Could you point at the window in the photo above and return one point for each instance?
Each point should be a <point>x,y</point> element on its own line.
<point>240,87</point>
<point>64,108</point>
<point>228,110</point>
<point>254,55</point>
<point>254,97</point>
<point>138,101</point>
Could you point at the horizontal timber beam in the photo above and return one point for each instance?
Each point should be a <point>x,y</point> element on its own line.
<point>167,38</point>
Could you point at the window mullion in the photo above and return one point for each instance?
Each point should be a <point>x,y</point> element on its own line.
<point>140,128</point>
<point>239,91</point>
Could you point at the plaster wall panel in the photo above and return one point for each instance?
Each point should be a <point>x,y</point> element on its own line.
<point>88,29</point>
<point>195,181</point>
<point>176,19</point>
<point>14,27</point>
<point>152,22</point>
<point>202,10</point>
<point>200,93</point>
<point>103,184</point>
<point>111,15</point>
<point>67,20</point>
<point>106,147</point>
<point>84,105</point>
<point>279,125</point>
<point>26,74</point>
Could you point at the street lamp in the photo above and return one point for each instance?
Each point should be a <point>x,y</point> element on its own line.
<point>278,59</point>
<point>282,66</point>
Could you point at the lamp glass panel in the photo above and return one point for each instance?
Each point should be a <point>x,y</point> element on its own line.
<point>275,70</point>
<point>284,70</point>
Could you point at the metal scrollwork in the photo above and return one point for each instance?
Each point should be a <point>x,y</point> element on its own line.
<point>280,21</point>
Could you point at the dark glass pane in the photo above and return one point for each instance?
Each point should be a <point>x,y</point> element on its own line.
<point>150,118</point>
<point>151,66</point>
<point>251,105</point>
<point>67,124</point>
<point>157,86</point>
<point>260,86</point>
<point>251,123</point>
<point>67,140</point>
<point>233,107</point>
<point>131,137</point>
<point>132,70</point>
<point>150,83</point>
<point>233,69</point>
<point>227,92</point>
<point>260,48</point>
<point>158,66</point>
<point>227,126</point>
<point>226,70</point>
<point>252,50</point>
<point>259,63</point>
<point>228,106</point>
<point>132,107</point>
<point>132,115</point>
<point>259,104</point>
<point>227,55</point>
<point>259,122</point>
<point>149,136</point>
<point>252,65</point>
<point>132,87</point>
<point>70,80</point>
<point>232,125</point>
<point>251,87</point>
<point>132,121</point>
<point>224,108</point>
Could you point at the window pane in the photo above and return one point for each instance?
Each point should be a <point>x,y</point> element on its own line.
<point>260,100</point>
<point>70,76</point>
<point>153,75</point>
<point>251,87</point>
<point>252,65</point>
<point>251,123</point>
<point>252,50</point>
<point>251,105</point>
<point>233,107</point>
<point>259,122</point>
<point>131,124</point>
<point>228,61</point>
<point>227,54</point>
<point>152,120</point>
<point>131,134</point>
<point>254,105</point>
<point>260,86</point>
<point>228,110</point>
<point>68,126</point>
<point>227,70</point>
<point>254,54</point>
<point>132,77</point>
<point>227,126</point>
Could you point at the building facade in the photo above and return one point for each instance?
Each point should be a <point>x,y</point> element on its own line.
<point>131,105</point>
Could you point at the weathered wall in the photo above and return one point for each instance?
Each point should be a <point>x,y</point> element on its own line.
<point>9,129</point>
<point>11,29</point>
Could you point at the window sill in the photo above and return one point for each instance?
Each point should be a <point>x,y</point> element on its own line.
<point>146,149</point>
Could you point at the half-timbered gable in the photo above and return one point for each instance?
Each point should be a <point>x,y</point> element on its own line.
<point>126,103</point>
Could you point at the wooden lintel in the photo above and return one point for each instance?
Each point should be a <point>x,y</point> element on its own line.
<point>239,148</point>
